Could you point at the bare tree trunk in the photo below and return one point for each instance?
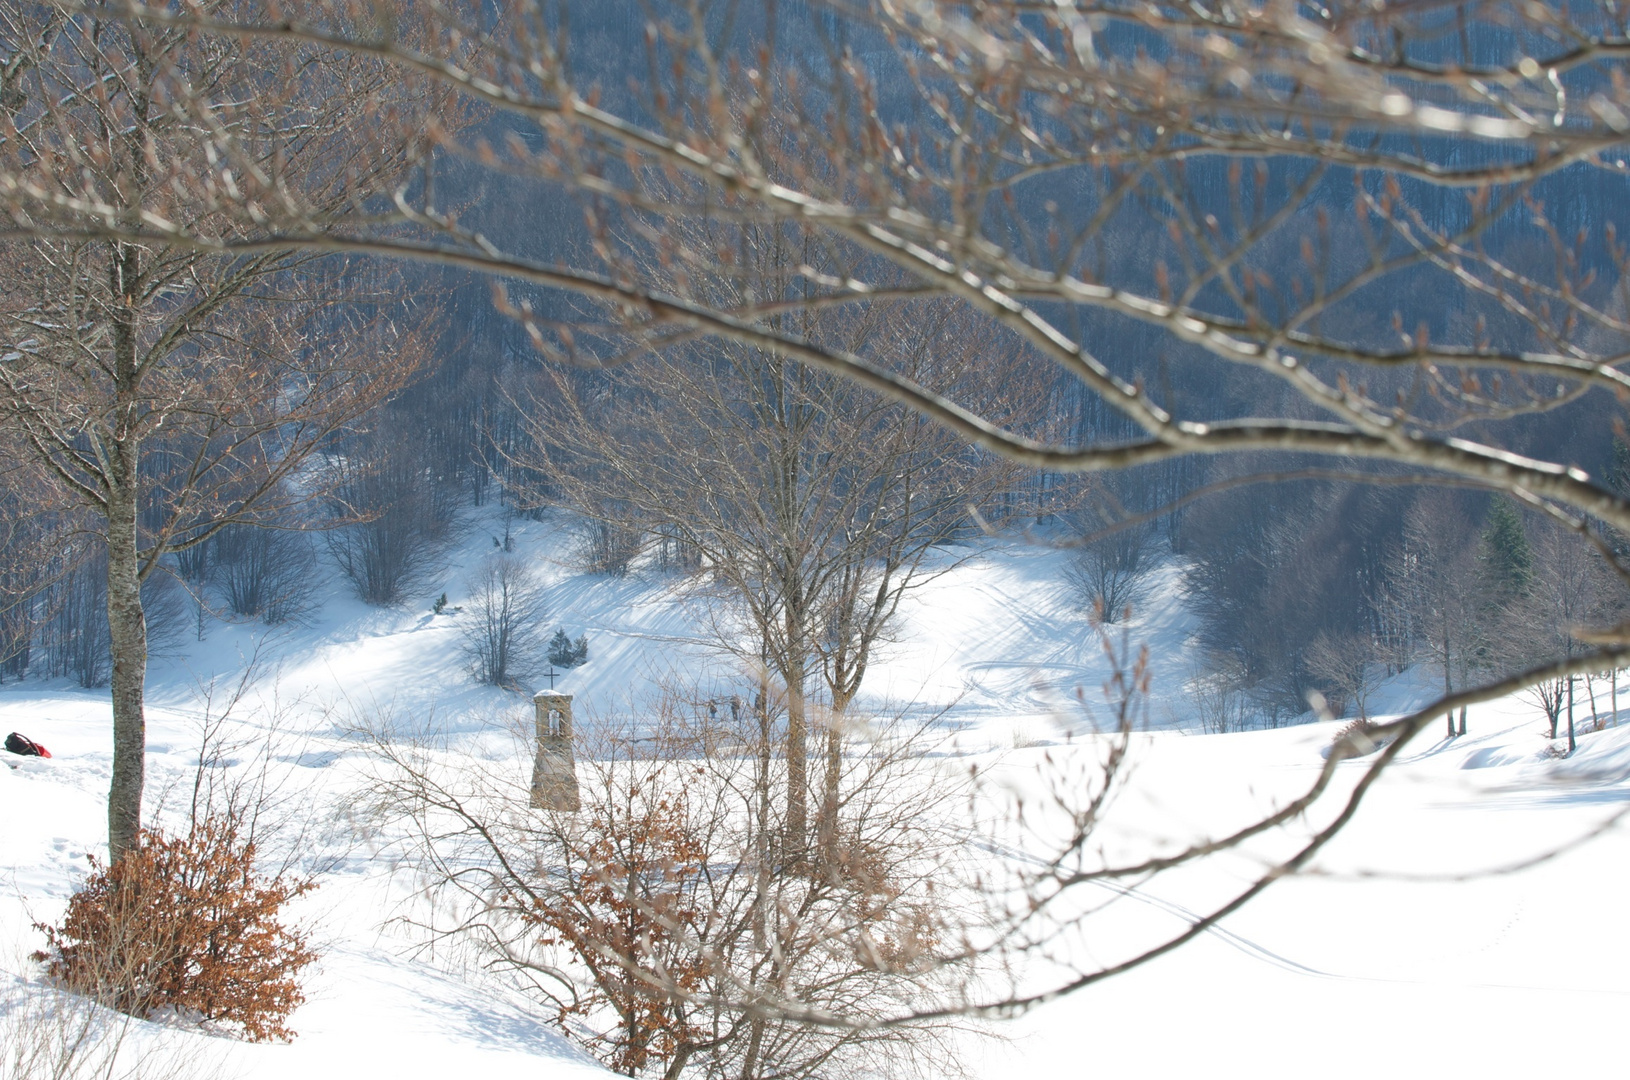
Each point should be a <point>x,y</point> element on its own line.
<point>127,631</point>
<point>1448,686</point>
<point>755,1038</point>
<point>762,839</point>
<point>764,872</point>
<point>681,1058</point>
<point>1570,714</point>
<point>797,827</point>
<point>127,622</point>
<point>827,826</point>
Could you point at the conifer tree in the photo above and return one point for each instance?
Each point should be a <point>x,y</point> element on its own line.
<point>561,653</point>
<point>1507,559</point>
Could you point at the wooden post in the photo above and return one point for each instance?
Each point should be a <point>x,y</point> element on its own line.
<point>554,769</point>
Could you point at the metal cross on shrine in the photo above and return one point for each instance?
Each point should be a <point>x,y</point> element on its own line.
<point>551,675</point>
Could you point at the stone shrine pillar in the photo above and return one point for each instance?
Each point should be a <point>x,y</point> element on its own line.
<point>554,769</point>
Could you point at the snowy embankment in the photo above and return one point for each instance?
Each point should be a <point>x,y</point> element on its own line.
<point>1390,957</point>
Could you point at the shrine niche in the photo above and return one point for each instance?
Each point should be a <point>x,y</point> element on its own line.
<point>554,769</point>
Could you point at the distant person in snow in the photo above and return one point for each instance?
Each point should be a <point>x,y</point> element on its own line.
<point>22,744</point>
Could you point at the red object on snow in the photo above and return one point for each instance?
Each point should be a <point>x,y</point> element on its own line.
<point>22,744</point>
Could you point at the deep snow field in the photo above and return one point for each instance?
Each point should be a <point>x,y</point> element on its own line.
<point>1406,951</point>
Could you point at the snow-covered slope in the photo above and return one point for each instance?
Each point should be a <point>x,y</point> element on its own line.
<point>1359,968</point>
<point>1414,950</point>
<point>991,634</point>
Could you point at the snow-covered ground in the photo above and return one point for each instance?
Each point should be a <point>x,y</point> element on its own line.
<point>1390,957</point>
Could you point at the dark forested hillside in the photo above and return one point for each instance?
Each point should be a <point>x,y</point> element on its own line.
<point>1252,240</point>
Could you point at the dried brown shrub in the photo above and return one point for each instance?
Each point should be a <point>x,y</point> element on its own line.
<point>669,923</point>
<point>185,923</point>
<point>636,908</point>
<point>1357,738</point>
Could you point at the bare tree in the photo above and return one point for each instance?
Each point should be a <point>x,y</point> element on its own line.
<point>503,628</point>
<point>1433,583</point>
<point>1216,693</point>
<point>73,639</point>
<point>607,546</point>
<point>1110,575</point>
<point>392,518</point>
<point>1551,695</point>
<point>1569,585</point>
<point>263,573</point>
<point>811,506</point>
<point>36,550</point>
<point>174,391</point>
<point>1346,663</point>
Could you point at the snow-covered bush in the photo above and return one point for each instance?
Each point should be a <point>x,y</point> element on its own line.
<point>189,924</point>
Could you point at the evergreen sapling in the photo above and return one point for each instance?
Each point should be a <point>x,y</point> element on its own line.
<point>564,652</point>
